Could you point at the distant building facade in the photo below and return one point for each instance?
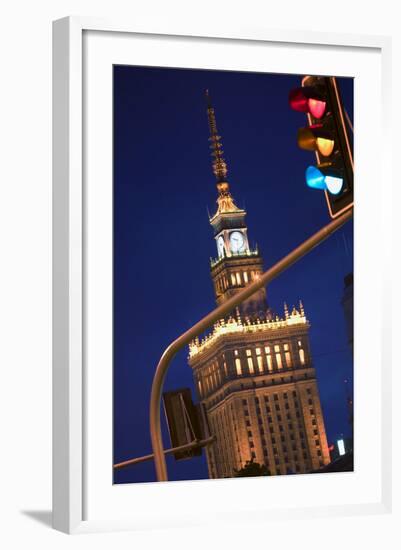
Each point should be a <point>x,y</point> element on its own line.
<point>254,372</point>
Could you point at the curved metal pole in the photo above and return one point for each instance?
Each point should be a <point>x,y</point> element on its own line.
<point>187,447</point>
<point>212,317</point>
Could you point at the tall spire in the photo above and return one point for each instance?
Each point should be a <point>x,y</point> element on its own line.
<point>218,163</point>
<point>225,200</point>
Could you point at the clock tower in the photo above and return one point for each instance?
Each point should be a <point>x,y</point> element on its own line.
<point>236,263</point>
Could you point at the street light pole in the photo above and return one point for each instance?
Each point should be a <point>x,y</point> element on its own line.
<point>212,317</point>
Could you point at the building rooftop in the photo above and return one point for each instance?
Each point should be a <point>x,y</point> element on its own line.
<point>239,325</point>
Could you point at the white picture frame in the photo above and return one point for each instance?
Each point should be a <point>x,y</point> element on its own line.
<point>78,41</point>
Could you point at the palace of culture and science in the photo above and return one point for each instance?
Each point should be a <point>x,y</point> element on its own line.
<point>254,372</point>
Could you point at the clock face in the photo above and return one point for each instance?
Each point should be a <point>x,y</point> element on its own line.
<point>220,246</point>
<point>237,241</point>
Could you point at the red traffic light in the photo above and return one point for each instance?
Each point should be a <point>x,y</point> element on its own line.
<point>308,99</point>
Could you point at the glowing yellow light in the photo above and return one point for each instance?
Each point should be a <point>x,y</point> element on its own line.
<point>325,146</point>
<point>238,366</point>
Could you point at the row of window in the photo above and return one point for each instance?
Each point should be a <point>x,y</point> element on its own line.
<point>264,358</point>
<point>238,278</point>
<point>212,376</point>
<point>256,384</point>
<point>219,424</point>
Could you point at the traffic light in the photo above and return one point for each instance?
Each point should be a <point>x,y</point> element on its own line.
<point>319,98</point>
<point>183,422</point>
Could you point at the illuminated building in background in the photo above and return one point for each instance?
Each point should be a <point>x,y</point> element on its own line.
<point>253,372</point>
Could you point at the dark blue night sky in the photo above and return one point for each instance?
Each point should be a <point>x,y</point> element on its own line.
<point>163,186</point>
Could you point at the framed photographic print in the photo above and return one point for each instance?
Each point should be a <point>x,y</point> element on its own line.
<point>213,206</point>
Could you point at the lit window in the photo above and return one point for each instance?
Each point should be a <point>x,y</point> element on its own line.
<point>238,276</point>
<point>245,276</point>
<point>285,347</point>
<point>269,362</point>
<point>248,353</point>
<point>250,365</point>
<point>278,359</point>
<point>258,351</point>
<point>267,349</point>
<point>233,279</point>
<point>200,387</point>
<point>235,352</point>
<point>238,366</point>
<point>225,369</point>
<point>260,363</point>
<point>276,348</point>
<point>299,343</point>
<point>288,358</point>
<point>302,356</point>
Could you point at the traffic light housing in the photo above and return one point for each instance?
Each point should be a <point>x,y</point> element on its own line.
<point>319,98</point>
<point>183,422</point>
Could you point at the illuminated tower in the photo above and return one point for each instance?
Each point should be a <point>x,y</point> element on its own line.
<point>253,372</point>
<point>237,264</point>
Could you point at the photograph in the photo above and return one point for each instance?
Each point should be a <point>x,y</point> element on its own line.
<point>217,177</point>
